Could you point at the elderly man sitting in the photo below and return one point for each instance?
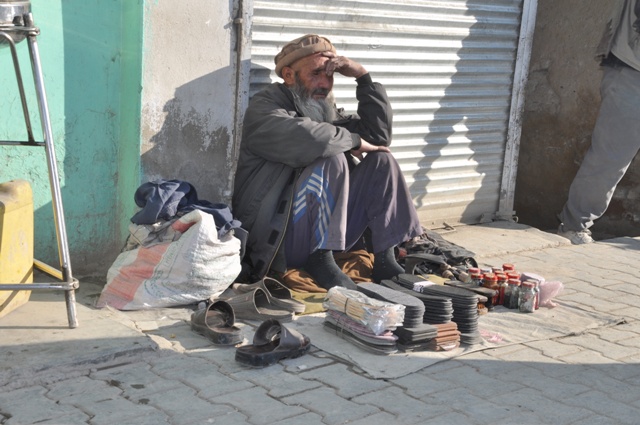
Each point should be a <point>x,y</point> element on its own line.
<point>299,189</point>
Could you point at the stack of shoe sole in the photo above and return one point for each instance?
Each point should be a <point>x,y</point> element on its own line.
<point>448,337</point>
<point>465,310</point>
<point>417,338</point>
<point>413,333</point>
<point>359,335</point>
<point>411,281</point>
<point>437,309</point>
<point>414,308</point>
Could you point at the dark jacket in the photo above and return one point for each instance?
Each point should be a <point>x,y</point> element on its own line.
<point>277,143</point>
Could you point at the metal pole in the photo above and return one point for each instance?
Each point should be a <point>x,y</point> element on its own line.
<point>23,97</point>
<point>61,232</point>
<point>512,148</point>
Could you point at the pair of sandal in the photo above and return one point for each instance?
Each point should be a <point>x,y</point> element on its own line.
<point>272,341</point>
<point>262,300</point>
<point>265,297</point>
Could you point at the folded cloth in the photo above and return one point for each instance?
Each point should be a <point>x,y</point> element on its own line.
<point>312,301</point>
<point>355,264</point>
<point>164,199</point>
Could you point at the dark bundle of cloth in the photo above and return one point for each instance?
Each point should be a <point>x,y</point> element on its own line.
<point>439,250</point>
<point>168,199</point>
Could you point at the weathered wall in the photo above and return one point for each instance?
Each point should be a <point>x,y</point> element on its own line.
<point>188,94</point>
<point>90,54</point>
<point>561,105</point>
<point>138,90</point>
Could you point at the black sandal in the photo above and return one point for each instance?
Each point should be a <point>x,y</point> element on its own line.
<point>216,323</point>
<point>272,342</point>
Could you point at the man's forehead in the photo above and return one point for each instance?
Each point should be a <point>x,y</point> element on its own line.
<point>314,61</point>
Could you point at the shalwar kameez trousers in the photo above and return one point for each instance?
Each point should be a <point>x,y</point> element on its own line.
<point>324,217</point>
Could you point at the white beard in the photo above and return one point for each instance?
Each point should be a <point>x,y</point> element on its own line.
<point>319,110</point>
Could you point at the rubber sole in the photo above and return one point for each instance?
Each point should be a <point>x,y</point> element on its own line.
<point>217,338</point>
<point>268,358</point>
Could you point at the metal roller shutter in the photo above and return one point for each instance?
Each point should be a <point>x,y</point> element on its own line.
<point>448,67</point>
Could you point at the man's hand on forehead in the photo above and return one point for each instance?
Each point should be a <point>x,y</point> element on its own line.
<point>343,65</point>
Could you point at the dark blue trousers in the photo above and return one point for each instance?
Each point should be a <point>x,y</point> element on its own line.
<point>333,206</point>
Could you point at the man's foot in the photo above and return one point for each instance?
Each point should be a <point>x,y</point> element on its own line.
<point>576,238</point>
<point>322,267</point>
<point>385,266</point>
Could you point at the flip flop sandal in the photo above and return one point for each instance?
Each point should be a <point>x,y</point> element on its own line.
<point>272,342</point>
<point>256,305</point>
<point>280,294</point>
<point>216,323</point>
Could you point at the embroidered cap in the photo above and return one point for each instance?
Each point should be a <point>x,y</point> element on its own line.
<point>300,48</point>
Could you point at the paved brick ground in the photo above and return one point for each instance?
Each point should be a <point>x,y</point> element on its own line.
<point>590,378</point>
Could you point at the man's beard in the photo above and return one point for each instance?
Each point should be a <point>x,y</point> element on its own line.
<point>320,110</point>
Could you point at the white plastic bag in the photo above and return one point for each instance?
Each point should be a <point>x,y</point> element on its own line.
<point>378,316</point>
<point>195,267</point>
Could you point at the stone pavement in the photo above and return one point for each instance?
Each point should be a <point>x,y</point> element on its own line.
<point>149,368</point>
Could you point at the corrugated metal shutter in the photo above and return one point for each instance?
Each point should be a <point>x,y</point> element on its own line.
<point>448,68</point>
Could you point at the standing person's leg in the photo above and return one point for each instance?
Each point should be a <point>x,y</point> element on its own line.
<point>318,221</point>
<point>379,199</point>
<point>615,142</point>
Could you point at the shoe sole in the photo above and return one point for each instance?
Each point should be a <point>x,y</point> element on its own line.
<point>217,338</point>
<point>270,358</point>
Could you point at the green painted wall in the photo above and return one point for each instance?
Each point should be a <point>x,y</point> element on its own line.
<point>91,59</point>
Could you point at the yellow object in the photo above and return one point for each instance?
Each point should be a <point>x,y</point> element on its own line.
<point>16,242</point>
<point>438,280</point>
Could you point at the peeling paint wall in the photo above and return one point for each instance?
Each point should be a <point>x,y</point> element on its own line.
<point>561,106</point>
<point>188,96</point>
<point>89,51</point>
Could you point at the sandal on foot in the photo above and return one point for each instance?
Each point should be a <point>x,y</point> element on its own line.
<point>256,305</point>
<point>216,323</point>
<point>280,294</point>
<point>273,342</point>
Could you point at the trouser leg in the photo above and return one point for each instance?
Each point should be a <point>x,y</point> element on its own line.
<point>319,217</point>
<point>615,142</point>
<point>380,200</point>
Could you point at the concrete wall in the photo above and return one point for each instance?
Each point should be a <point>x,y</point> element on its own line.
<point>188,97</point>
<point>561,105</point>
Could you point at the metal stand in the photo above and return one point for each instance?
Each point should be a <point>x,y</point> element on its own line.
<point>23,27</point>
